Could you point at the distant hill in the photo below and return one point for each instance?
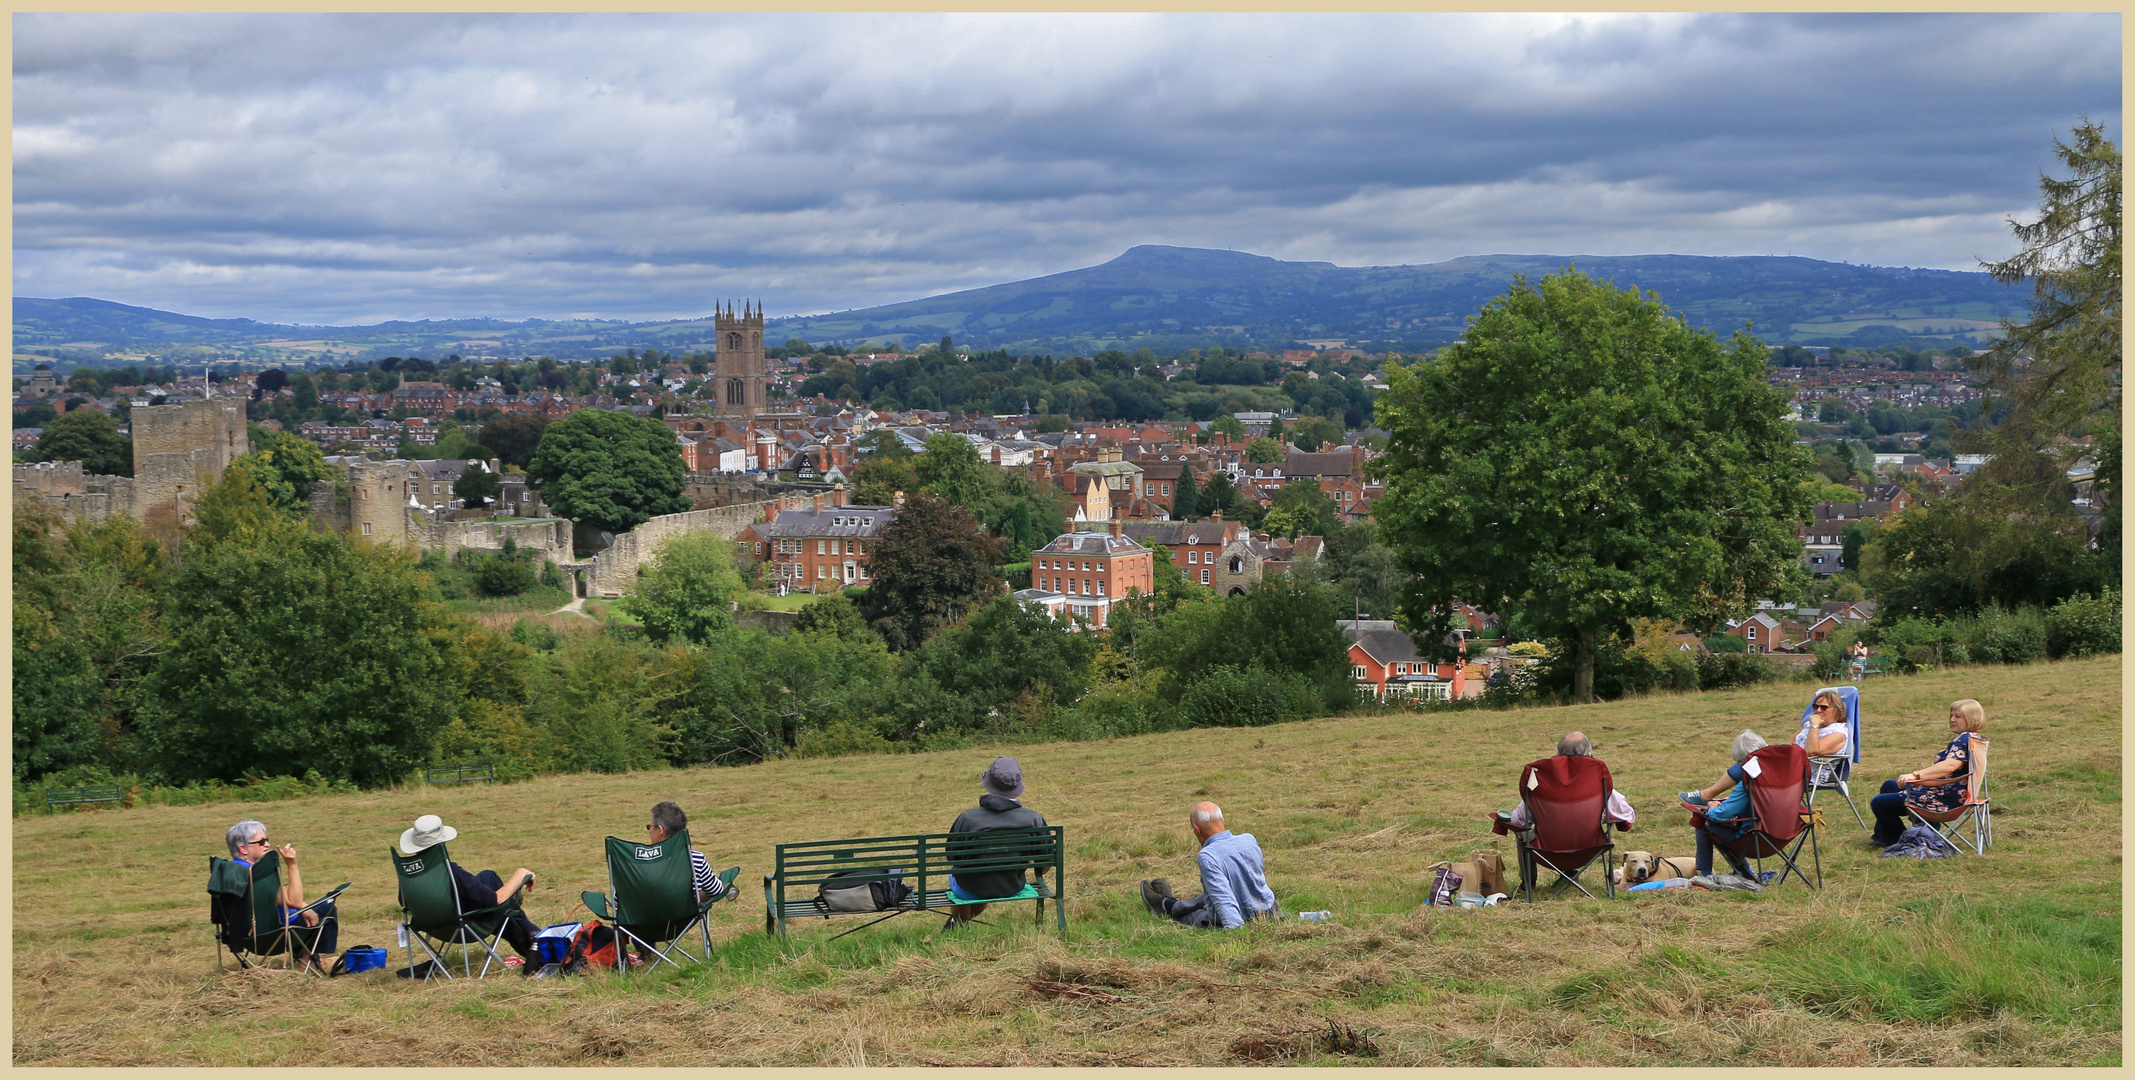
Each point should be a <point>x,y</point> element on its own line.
<point>1160,296</point>
<point>1166,298</point>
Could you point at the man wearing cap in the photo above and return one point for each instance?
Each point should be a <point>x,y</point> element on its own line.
<point>997,809</point>
<point>481,890</point>
<point>1234,881</point>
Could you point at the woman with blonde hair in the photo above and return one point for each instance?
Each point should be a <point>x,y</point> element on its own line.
<point>1966,719</point>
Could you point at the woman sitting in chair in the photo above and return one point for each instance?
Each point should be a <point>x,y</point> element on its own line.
<point>248,844</point>
<point>1725,821</point>
<point>1826,734</point>
<point>1966,718</point>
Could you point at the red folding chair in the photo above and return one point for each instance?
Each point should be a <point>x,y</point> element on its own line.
<point>1975,815</point>
<point>1778,777</point>
<point>1567,798</point>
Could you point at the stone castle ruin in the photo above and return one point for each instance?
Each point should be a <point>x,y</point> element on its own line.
<point>178,450</point>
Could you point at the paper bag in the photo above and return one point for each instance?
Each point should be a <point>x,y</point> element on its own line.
<point>1490,872</point>
<point>1464,877</point>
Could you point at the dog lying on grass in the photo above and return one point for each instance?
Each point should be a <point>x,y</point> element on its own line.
<point>1640,867</point>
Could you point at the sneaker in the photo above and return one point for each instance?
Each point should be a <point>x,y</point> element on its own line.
<point>1692,798</point>
<point>1154,892</point>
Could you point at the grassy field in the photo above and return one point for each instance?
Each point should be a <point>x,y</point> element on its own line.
<point>2010,959</point>
<point>793,601</point>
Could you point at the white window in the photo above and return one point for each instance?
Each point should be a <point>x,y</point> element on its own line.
<point>1204,577</point>
<point>1753,632</point>
<point>822,571</point>
<point>820,547</point>
<point>1148,489</point>
<point>437,489</point>
<point>1167,488</point>
<point>366,528</point>
<point>1100,586</point>
<point>1193,556</point>
<point>1356,672</point>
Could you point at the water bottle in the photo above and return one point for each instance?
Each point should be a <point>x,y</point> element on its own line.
<point>1314,916</point>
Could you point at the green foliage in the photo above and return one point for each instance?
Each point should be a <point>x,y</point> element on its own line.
<point>931,566</point>
<point>882,476</point>
<point>2010,538</point>
<point>951,468</point>
<point>1009,655</point>
<point>1362,569</point>
<point>1301,508</point>
<point>609,470</point>
<point>1282,627</point>
<point>291,650</point>
<point>1265,451</point>
<point>683,596</point>
<point>751,696</point>
<point>1186,497</point>
<point>597,701</point>
<point>1227,696</point>
<point>514,438</point>
<point>56,684</point>
<point>1587,458</point>
<point>2085,625</point>
<point>503,575</point>
<point>835,616</point>
<point>286,466</point>
<point>1314,432</point>
<point>90,437</point>
<point>1228,425</point>
<point>476,487</point>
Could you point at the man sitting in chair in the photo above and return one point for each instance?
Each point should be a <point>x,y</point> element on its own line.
<point>998,808</point>
<point>1575,744</point>
<point>1234,879</point>
<point>248,844</point>
<point>667,820</point>
<point>478,891</point>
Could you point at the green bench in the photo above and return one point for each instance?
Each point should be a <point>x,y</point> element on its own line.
<point>484,771</point>
<point>1875,665</point>
<point>87,793</point>
<point>924,862</point>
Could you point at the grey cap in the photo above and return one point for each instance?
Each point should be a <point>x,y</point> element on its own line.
<point>1004,778</point>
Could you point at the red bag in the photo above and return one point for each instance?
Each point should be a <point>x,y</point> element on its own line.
<point>592,946</point>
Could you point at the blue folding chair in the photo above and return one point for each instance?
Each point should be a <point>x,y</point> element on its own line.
<point>1834,770</point>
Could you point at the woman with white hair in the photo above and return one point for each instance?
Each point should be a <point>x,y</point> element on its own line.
<point>1724,821</point>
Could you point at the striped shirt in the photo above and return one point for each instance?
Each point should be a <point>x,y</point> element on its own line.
<point>701,876</point>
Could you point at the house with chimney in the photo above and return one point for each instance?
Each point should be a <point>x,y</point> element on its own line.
<point>820,549</point>
<point>1080,575</point>
<point>1386,664</point>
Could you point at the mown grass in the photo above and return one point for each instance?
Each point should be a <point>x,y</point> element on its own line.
<point>2010,959</point>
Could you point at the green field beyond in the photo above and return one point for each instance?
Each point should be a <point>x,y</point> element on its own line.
<point>2007,960</point>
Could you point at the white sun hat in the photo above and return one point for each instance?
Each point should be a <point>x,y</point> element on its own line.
<point>429,831</point>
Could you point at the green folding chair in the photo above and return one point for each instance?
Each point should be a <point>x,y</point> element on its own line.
<point>430,910</point>
<point>653,899</point>
<point>245,905</point>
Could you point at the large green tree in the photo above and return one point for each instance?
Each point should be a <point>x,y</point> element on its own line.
<point>609,470</point>
<point>929,568</point>
<point>90,437</point>
<point>1586,458</point>
<point>1186,498</point>
<point>292,650</point>
<point>1302,508</point>
<point>286,466</point>
<point>514,438</point>
<point>683,596</point>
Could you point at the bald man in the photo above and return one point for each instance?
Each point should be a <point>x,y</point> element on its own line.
<point>1234,881</point>
<point>1575,744</point>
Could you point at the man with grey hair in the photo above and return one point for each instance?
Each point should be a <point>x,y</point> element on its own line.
<point>1575,744</point>
<point>248,844</point>
<point>1234,879</point>
<point>1723,822</point>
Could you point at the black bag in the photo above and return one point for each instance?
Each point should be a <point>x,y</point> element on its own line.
<point>871,889</point>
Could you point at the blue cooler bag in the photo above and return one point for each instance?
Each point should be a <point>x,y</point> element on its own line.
<point>553,944</point>
<point>363,958</point>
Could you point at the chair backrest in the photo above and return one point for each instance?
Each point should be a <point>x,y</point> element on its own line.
<point>246,900</point>
<point>1566,798</point>
<point>1975,782</point>
<point>1781,777</point>
<point>427,893</point>
<point>1850,696</point>
<point>651,883</point>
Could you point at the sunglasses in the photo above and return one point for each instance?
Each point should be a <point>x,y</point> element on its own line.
<point>261,841</point>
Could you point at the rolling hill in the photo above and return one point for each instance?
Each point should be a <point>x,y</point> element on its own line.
<point>1166,298</point>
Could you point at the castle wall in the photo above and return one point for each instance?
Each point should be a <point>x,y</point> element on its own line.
<point>214,425</point>
<point>547,539</point>
<point>378,503</point>
<point>615,571</point>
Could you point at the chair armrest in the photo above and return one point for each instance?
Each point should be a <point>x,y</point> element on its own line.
<point>597,903</point>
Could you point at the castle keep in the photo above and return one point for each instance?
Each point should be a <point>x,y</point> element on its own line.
<point>178,450</point>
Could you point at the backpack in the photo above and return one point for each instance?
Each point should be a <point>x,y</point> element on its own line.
<point>592,947</point>
<point>871,889</point>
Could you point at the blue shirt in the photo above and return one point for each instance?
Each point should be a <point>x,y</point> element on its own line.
<point>1233,879</point>
<point>1736,804</point>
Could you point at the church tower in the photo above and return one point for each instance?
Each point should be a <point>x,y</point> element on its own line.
<point>740,355</point>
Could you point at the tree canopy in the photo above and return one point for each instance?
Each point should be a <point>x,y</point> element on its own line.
<point>90,437</point>
<point>514,438</point>
<point>930,567</point>
<point>610,470</point>
<point>286,466</point>
<point>683,596</point>
<point>1586,458</point>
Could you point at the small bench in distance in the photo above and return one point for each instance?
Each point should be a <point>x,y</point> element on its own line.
<point>466,772</point>
<point>87,793</point>
<point>924,862</point>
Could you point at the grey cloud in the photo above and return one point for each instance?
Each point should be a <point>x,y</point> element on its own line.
<point>355,167</point>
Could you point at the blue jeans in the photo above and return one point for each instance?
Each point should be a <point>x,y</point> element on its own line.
<point>1889,809</point>
<point>1706,846</point>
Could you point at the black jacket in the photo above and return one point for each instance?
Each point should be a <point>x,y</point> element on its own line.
<point>994,812</point>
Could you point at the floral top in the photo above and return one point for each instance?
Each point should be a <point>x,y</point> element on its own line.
<point>1945,798</point>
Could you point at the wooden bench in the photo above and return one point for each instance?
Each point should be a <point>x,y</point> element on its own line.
<point>87,793</point>
<point>484,771</point>
<point>924,862</point>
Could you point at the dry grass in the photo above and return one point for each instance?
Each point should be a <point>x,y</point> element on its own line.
<point>113,961</point>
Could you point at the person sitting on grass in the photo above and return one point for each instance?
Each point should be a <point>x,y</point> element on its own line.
<point>1234,880</point>
<point>667,820</point>
<point>1574,744</point>
<point>1966,718</point>
<point>1724,822</point>
<point>997,809</point>
<point>483,890</point>
<point>248,844</point>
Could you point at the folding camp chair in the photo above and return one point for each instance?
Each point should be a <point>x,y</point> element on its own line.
<point>1829,771</point>
<point>245,904</point>
<point>431,914</point>
<point>1975,814</point>
<point>1778,779</point>
<point>1567,799</point>
<point>653,897</point>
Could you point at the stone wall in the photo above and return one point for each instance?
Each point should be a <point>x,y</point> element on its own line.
<point>546,538</point>
<point>178,450</point>
<point>615,571</point>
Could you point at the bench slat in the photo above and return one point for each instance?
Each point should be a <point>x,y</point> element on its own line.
<point>923,859</point>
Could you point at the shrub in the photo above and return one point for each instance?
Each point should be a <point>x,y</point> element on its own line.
<point>2084,625</point>
<point>498,575</point>
<point>1228,696</point>
<point>2006,637</point>
<point>1719,671</point>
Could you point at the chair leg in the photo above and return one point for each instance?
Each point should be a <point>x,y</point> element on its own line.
<point>1848,793</point>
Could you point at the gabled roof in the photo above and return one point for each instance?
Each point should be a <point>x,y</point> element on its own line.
<point>1323,463</point>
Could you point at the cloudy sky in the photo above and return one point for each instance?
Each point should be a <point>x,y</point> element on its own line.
<point>357,168</point>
